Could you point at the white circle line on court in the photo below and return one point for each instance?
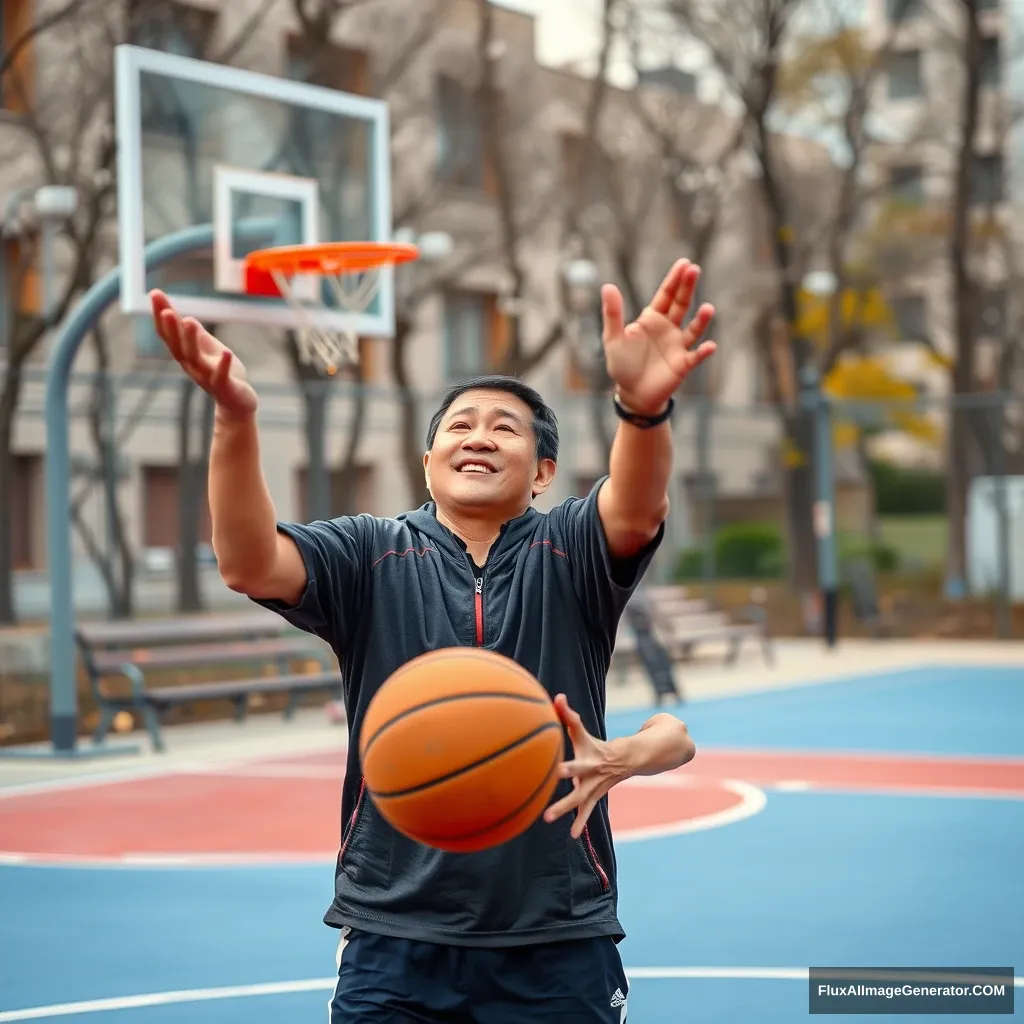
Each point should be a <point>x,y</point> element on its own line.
<point>751,801</point>
<point>275,988</point>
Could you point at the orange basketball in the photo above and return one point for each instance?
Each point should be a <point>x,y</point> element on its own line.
<point>460,749</point>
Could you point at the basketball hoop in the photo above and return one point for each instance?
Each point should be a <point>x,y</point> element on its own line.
<point>352,269</point>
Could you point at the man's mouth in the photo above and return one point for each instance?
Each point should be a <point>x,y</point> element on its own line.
<point>474,467</point>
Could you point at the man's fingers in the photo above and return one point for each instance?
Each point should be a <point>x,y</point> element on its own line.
<point>665,295</point>
<point>582,816</point>
<point>570,719</point>
<point>683,295</point>
<point>563,806</point>
<point>705,351</point>
<point>611,311</point>
<point>219,377</point>
<point>699,324</point>
<point>578,766</point>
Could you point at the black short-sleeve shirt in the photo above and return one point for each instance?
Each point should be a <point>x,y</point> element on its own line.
<point>383,591</point>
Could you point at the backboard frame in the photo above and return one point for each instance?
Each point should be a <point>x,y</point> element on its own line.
<point>131,63</point>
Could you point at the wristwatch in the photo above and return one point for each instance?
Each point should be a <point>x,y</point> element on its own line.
<point>636,419</point>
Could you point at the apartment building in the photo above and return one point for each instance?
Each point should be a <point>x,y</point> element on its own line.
<point>917,113</point>
<point>459,327</point>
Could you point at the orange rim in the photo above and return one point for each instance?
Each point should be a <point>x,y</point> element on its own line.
<point>331,257</point>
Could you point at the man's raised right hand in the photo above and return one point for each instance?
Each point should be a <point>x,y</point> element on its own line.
<point>209,362</point>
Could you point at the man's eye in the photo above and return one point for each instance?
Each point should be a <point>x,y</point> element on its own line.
<point>458,426</point>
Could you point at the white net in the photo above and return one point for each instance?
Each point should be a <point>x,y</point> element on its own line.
<point>332,348</point>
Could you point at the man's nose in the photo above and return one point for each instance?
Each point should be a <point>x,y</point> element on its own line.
<point>479,440</point>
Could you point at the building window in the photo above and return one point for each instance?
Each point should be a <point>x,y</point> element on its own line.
<point>906,185</point>
<point>910,315</point>
<point>26,507</point>
<point>904,75</point>
<point>22,287</point>
<point>461,156</point>
<point>335,67</point>
<point>475,333</point>
<point>991,67</point>
<point>172,107</point>
<point>161,524</point>
<point>350,494</point>
<point>991,306</point>
<point>16,18</point>
<point>901,10</point>
<point>987,179</point>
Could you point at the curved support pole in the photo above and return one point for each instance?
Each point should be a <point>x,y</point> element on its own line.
<point>63,692</point>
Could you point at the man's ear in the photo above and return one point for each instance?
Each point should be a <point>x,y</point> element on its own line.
<point>543,477</point>
<point>426,472</point>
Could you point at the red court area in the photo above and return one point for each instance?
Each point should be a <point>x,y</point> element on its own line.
<point>288,809</point>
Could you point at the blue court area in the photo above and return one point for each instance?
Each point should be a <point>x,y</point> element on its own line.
<point>722,922</point>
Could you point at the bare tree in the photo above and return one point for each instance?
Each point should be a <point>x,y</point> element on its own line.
<point>64,135</point>
<point>499,144</point>
<point>793,85</point>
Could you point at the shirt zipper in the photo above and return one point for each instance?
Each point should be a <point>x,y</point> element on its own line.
<point>480,610</point>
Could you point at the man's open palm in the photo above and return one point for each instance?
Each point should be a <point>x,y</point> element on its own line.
<point>209,362</point>
<point>649,358</point>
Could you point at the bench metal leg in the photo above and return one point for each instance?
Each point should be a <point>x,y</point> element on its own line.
<point>105,722</point>
<point>292,703</point>
<point>152,722</point>
<point>734,650</point>
<point>241,708</point>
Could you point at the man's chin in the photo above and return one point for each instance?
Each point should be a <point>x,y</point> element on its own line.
<point>484,491</point>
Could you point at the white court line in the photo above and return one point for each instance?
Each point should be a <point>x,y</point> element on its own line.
<point>273,771</point>
<point>752,801</point>
<point>160,771</point>
<point>200,995</point>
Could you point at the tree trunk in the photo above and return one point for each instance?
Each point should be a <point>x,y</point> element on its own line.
<point>958,478</point>
<point>117,563</point>
<point>346,496</point>
<point>412,445</point>
<point>191,495</point>
<point>874,526</point>
<point>799,495</point>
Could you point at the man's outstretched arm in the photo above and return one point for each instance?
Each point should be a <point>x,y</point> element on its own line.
<point>253,557</point>
<point>647,361</point>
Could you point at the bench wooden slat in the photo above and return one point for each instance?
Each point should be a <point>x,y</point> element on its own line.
<point>257,639</point>
<point>168,695</point>
<point>199,655</point>
<point>146,632</point>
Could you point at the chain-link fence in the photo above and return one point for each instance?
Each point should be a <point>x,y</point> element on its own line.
<point>917,510</point>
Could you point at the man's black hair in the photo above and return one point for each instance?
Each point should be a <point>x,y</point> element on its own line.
<point>545,424</point>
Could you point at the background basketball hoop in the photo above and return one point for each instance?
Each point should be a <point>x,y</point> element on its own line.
<point>351,269</point>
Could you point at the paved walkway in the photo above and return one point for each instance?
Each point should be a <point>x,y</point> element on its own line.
<point>798,663</point>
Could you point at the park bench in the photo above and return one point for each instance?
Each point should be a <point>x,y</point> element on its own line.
<point>255,653</point>
<point>681,623</point>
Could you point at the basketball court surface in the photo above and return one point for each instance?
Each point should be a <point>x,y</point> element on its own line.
<point>873,821</point>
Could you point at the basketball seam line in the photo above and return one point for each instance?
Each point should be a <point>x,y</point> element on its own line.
<point>446,700</point>
<point>508,817</point>
<point>454,653</point>
<point>420,787</point>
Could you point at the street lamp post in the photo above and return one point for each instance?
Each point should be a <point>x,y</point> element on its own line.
<point>823,285</point>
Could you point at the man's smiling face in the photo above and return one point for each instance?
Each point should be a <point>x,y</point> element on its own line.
<point>485,454</point>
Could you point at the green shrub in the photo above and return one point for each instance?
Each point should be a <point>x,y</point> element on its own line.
<point>908,492</point>
<point>689,565</point>
<point>747,550</point>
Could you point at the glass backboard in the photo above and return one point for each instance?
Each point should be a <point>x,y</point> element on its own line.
<point>239,161</point>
